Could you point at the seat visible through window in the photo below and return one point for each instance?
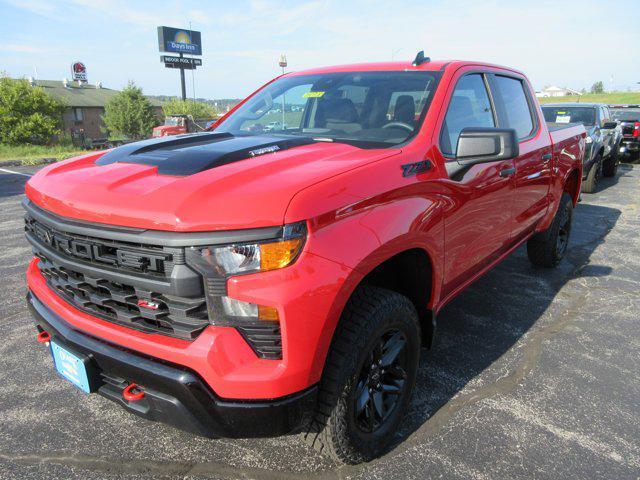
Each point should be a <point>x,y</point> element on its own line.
<point>405,110</point>
<point>338,114</point>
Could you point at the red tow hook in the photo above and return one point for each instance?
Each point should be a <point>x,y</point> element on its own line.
<point>132,393</point>
<point>43,337</point>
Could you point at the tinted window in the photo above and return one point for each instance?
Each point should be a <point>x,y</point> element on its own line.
<point>563,114</point>
<point>469,107</point>
<point>626,114</point>
<point>516,106</point>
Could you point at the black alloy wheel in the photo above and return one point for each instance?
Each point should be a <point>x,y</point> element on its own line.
<point>381,382</point>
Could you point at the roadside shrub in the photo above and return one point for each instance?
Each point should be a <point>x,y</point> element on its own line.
<point>198,110</point>
<point>27,114</point>
<point>129,114</point>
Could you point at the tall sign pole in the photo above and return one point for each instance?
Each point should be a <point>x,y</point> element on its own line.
<point>182,84</point>
<point>180,41</point>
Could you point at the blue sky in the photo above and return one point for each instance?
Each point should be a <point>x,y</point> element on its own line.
<point>566,43</point>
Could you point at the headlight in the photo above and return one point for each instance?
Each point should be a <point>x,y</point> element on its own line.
<point>589,139</point>
<point>240,258</point>
<point>217,263</point>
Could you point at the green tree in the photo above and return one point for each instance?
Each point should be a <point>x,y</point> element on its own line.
<point>198,110</point>
<point>597,87</point>
<point>129,113</point>
<point>27,114</point>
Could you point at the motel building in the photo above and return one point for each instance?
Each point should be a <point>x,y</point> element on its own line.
<point>85,106</point>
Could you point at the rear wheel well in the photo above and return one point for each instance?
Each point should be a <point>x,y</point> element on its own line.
<point>410,274</point>
<point>571,186</point>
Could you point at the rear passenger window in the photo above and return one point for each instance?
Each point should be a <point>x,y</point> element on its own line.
<point>516,106</point>
<point>469,107</point>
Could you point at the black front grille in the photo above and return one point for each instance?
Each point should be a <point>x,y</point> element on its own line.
<point>125,256</point>
<point>119,303</point>
<point>627,130</point>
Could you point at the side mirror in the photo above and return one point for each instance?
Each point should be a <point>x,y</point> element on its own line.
<point>609,124</point>
<point>482,145</point>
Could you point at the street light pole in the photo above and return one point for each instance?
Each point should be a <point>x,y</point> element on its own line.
<point>283,65</point>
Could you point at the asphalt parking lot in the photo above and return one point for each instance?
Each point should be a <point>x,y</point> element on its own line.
<point>535,375</point>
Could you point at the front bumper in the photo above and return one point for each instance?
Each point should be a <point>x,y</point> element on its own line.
<point>630,145</point>
<point>173,394</point>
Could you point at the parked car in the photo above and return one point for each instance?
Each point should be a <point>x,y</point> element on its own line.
<point>262,284</point>
<point>179,125</point>
<point>603,137</point>
<point>629,118</point>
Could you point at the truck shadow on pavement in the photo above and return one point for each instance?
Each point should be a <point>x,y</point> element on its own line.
<point>488,319</point>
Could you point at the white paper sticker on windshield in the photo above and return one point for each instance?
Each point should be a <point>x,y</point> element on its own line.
<point>563,119</point>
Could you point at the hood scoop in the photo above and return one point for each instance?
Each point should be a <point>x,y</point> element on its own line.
<point>185,155</point>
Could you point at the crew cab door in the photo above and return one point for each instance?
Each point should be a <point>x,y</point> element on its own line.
<point>516,109</point>
<point>478,222</point>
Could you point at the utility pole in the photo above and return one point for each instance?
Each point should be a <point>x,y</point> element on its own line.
<point>283,65</point>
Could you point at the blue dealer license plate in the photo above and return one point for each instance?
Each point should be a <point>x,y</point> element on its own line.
<point>70,366</point>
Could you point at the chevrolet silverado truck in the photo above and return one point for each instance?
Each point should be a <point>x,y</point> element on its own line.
<point>176,125</point>
<point>629,118</point>
<point>604,137</point>
<point>237,283</point>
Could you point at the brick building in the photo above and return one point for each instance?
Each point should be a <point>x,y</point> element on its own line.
<point>85,103</point>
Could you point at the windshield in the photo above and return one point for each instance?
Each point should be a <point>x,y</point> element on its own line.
<point>584,115</point>
<point>626,114</point>
<point>173,121</point>
<point>366,109</point>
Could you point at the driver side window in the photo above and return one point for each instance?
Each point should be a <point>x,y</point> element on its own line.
<point>469,107</point>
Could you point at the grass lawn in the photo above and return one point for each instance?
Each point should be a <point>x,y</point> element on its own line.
<point>613,98</point>
<point>32,154</point>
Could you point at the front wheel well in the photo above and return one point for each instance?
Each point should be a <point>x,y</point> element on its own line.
<point>410,274</point>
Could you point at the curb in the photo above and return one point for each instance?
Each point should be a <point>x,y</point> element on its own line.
<point>23,163</point>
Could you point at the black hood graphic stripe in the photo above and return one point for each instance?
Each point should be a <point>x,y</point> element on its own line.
<point>188,154</point>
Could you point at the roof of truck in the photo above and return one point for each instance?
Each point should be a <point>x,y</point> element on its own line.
<point>573,104</point>
<point>429,66</point>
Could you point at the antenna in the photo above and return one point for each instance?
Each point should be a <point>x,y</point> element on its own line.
<point>420,59</point>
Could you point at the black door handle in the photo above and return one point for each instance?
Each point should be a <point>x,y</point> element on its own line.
<point>546,157</point>
<point>507,171</point>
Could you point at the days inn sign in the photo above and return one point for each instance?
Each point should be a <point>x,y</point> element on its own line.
<point>179,40</point>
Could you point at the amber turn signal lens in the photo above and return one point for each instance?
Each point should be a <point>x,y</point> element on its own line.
<point>279,254</point>
<point>268,314</point>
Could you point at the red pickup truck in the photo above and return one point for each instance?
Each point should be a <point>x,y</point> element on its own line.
<point>238,283</point>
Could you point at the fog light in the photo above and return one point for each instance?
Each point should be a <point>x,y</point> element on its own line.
<point>245,311</point>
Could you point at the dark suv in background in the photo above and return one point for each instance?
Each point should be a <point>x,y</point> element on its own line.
<point>629,118</point>
<point>603,137</point>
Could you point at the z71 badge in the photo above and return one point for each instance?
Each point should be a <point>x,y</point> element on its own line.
<point>411,169</point>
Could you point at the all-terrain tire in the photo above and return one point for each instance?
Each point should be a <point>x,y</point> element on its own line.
<point>591,183</point>
<point>370,314</point>
<point>546,249</point>
<point>610,165</point>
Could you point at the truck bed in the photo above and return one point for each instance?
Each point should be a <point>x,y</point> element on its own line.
<point>564,137</point>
